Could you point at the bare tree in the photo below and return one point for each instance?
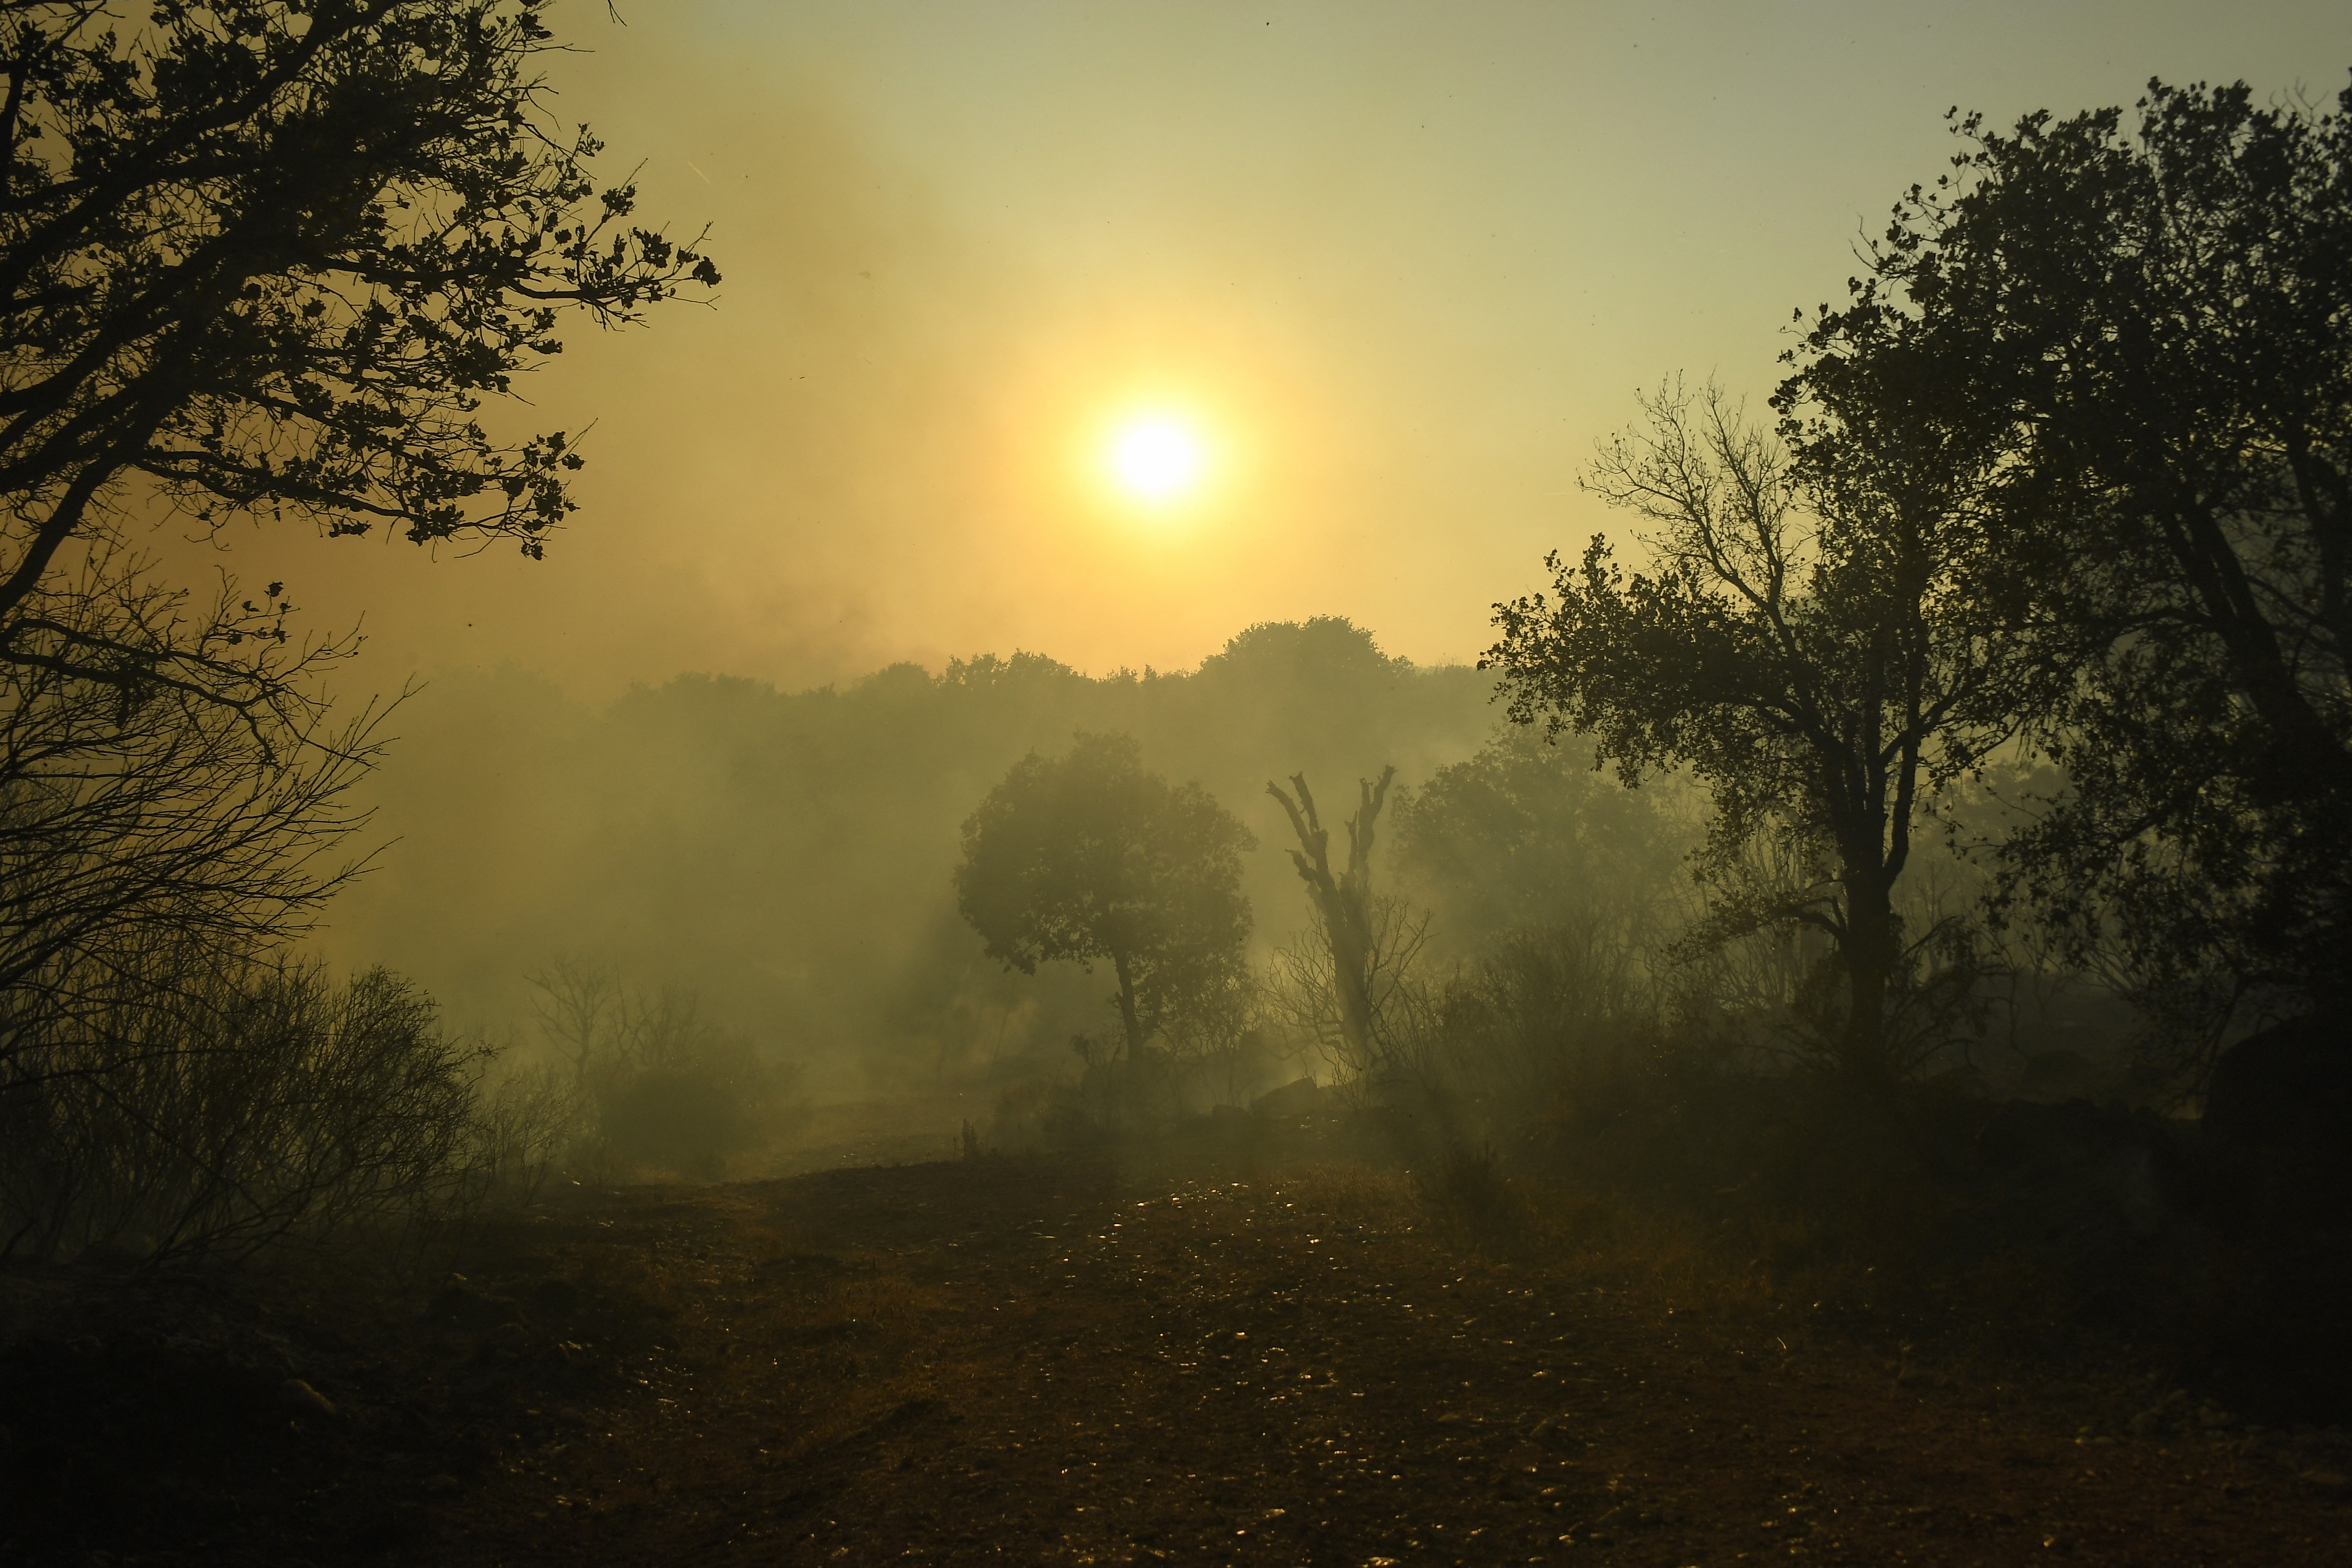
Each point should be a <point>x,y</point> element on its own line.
<point>161,773</point>
<point>578,1004</point>
<point>1398,1031</point>
<point>1807,643</point>
<point>1343,904</point>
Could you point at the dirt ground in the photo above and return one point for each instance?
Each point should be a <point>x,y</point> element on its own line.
<point>1074,1359</point>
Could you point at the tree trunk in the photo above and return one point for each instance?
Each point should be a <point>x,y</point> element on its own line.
<point>1869,949</point>
<point>1344,902</point>
<point>1129,1017</point>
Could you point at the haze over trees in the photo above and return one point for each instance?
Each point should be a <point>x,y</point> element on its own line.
<point>2061,485</point>
<point>681,829</point>
<point>1525,832</point>
<point>1087,857</point>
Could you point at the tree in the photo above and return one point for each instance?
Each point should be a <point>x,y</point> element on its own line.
<point>1525,833</point>
<point>1087,857</point>
<point>258,257</point>
<point>271,256</point>
<point>2151,339</point>
<point>1803,649</point>
<point>1344,906</point>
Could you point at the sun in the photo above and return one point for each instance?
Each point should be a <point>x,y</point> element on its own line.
<point>1156,459</point>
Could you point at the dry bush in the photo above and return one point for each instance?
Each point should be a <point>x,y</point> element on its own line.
<point>654,1086</point>
<point>200,1107</point>
<point>1561,1006</point>
<point>1390,1055</point>
<point>526,1120</point>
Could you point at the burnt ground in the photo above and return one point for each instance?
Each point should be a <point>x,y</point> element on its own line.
<point>1071,1359</point>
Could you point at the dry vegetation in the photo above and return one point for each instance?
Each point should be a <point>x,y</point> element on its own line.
<point>1259,1343</point>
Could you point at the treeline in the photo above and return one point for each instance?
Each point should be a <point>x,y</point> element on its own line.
<point>787,856</point>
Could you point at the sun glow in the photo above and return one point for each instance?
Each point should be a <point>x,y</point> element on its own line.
<point>1155,459</point>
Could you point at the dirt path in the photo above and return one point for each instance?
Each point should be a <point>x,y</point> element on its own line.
<point>1032,1364</point>
<point>1046,1362</point>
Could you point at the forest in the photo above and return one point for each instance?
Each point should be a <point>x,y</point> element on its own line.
<point>1834,1013</point>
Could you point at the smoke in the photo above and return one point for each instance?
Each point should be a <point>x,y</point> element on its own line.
<point>787,855</point>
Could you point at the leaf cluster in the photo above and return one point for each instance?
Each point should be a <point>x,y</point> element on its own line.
<point>274,256</point>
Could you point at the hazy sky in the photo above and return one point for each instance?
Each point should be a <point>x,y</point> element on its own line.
<point>1400,265</point>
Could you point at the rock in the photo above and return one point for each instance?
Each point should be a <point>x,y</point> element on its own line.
<point>2292,1080</point>
<point>1298,1097</point>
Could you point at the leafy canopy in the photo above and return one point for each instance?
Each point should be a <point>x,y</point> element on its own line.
<point>272,255</point>
<point>1087,857</point>
<point>1802,643</point>
<point>2148,335</point>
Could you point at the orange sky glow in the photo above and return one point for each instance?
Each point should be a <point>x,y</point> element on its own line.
<point>1394,268</point>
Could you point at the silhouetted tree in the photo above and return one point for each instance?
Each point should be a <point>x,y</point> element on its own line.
<point>1803,649</point>
<point>2149,337</point>
<point>266,256</point>
<point>1343,901</point>
<point>1088,858</point>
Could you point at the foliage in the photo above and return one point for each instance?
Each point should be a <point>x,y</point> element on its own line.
<point>1774,996</point>
<point>273,255</point>
<point>1528,832</point>
<point>1550,1009</point>
<point>2149,338</point>
<point>197,1105</point>
<point>1087,857</point>
<point>1220,1045</point>
<point>1805,649</point>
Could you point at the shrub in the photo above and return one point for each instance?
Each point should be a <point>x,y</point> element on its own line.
<point>654,1085</point>
<point>196,1107</point>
